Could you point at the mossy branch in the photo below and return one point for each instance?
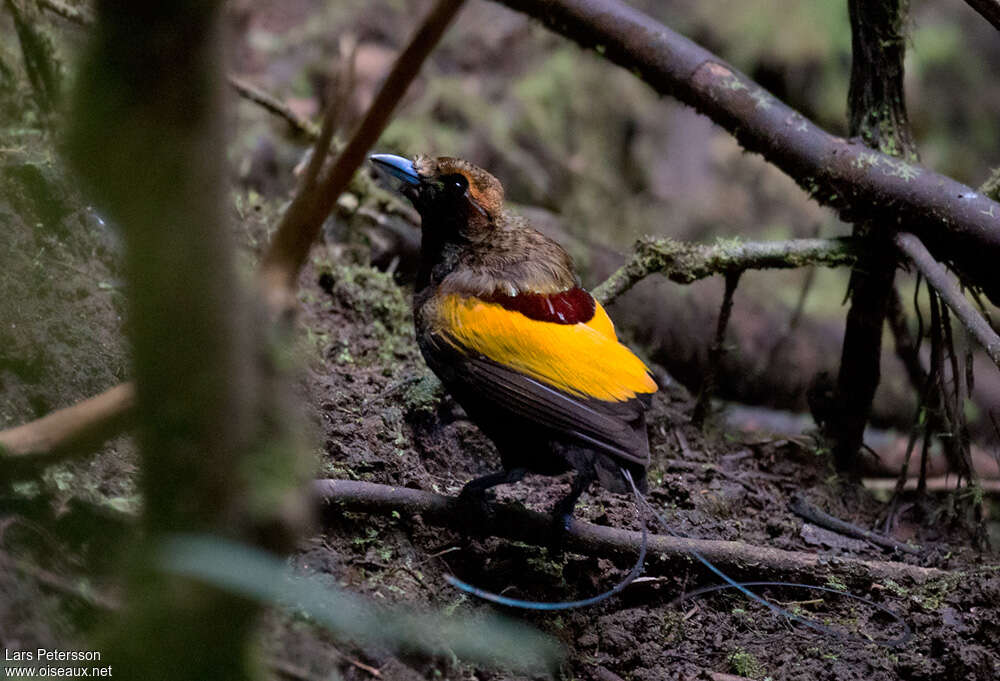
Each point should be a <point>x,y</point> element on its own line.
<point>958,224</point>
<point>685,263</point>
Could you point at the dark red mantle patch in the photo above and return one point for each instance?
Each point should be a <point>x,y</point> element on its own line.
<point>574,306</point>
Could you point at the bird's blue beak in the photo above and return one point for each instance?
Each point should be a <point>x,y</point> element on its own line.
<point>395,168</point>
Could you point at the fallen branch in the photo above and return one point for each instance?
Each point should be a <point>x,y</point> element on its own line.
<point>937,276</point>
<point>687,263</point>
<point>942,483</point>
<point>804,509</point>
<point>518,523</point>
<point>716,352</point>
<point>957,223</point>
<point>78,428</point>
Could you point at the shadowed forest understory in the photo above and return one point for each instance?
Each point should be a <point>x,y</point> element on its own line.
<point>254,471</point>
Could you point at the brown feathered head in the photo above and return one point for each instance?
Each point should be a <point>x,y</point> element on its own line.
<point>449,193</point>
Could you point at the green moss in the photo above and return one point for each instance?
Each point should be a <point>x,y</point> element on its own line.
<point>835,583</point>
<point>377,303</point>
<point>423,394</point>
<point>745,664</point>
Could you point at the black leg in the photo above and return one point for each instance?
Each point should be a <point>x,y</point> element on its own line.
<point>563,510</point>
<point>472,498</point>
<point>479,486</point>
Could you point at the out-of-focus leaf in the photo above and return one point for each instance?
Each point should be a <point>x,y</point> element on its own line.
<point>250,572</point>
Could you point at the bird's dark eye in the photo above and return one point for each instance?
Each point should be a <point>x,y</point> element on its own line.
<point>456,182</point>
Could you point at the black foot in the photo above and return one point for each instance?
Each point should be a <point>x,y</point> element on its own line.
<point>562,514</point>
<point>474,502</point>
<point>474,506</point>
<point>558,532</point>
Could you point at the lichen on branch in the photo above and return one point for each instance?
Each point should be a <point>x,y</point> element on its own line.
<point>685,263</point>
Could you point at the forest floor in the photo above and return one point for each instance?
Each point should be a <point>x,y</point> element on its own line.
<point>383,421</point>
<point>379,416</point>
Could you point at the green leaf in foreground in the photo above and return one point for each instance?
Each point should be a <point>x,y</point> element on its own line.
<point>250,572</point>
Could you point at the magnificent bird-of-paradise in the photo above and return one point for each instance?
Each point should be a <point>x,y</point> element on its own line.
<point>530,355</point>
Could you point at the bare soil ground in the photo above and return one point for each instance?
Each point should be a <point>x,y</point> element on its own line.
<point>378,415</point>
<point>382,421</point>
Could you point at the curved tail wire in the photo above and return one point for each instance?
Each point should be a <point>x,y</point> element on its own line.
<point>559,605</point>
<point>730,583</point>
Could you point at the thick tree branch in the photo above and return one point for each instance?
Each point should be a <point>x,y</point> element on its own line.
<point>958,224</point>
<point>686,263</point>
<point>988,9</point>
<point>937,276</point>
<point>515,522</point>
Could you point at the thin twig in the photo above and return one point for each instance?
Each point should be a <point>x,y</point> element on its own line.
<point>516,522</point>
<point>302,126</point>
<point>303,219</point>
<point>269,102</point>
<point>937,276</point>
<point>80,427</point>
<point>686,263</point>
<point>716,352</point>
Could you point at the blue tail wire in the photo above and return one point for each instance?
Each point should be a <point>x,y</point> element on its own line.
<point>559,605</point>
<point>730,583</point>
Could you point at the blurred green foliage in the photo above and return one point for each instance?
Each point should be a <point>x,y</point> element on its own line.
<point>250,572</point>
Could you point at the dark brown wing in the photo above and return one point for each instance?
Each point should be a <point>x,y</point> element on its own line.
<point>616,428</point>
